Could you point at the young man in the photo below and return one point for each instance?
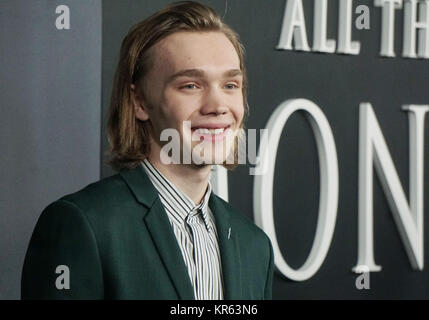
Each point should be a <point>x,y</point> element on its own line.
<point>156,230</point>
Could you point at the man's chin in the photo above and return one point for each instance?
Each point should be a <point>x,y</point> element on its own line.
<point>205,162</point>
<point>207,157</point>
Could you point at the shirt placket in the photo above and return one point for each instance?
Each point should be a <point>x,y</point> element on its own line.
<point>195,223</point>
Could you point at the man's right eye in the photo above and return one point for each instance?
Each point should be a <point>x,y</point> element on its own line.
<point>189,86</point>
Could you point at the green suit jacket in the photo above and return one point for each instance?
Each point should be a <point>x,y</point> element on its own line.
<point>117,242</point>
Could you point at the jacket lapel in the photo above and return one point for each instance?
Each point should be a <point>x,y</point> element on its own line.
<point>166,244</point>
<point>229,249</point>
<point>169,250</point>
<point>160,230</point>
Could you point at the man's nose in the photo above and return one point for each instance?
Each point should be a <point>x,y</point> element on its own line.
<point>214,102</point>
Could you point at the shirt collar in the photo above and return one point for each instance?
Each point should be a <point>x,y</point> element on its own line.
<point>182,205</point>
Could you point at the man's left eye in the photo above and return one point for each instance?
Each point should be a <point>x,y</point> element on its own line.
<point>231,86</point>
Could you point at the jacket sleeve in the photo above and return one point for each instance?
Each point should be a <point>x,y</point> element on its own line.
<point>62,260</point>
<point>269,281</point>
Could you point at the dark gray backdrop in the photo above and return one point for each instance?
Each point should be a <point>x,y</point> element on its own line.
<point>50,86</point>
<point>55,150</point>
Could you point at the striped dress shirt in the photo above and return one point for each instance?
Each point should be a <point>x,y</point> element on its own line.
<point>195,231</point>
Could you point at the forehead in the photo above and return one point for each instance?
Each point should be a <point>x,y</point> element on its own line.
<point>210,51</point>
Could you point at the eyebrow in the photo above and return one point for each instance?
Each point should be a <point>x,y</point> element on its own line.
<point>198,73</point>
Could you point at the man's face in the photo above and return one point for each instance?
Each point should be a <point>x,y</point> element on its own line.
<point>195,77</point>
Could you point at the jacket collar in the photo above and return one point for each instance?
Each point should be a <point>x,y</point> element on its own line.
<point>165,241</point>
<point>140,185</point>
<point>182,204</point>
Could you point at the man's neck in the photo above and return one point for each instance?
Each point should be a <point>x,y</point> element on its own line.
<point>191,179</point>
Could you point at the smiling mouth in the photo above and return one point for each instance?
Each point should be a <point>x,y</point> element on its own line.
<point>209,131</point>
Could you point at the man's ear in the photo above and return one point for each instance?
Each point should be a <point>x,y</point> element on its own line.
<point>138,103</point>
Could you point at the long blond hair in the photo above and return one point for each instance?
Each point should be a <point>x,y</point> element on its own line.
<point>129,137</point>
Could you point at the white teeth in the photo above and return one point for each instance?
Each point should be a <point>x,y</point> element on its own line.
<point>209,131</point>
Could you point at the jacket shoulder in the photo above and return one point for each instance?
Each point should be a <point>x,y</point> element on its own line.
<point>105,193</point>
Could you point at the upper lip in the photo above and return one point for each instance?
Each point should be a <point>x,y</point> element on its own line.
<point>211,126</point>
